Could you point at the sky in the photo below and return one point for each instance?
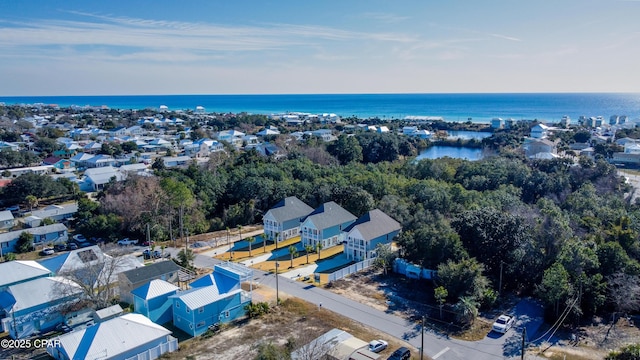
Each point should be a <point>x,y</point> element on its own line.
<point>138,47</point>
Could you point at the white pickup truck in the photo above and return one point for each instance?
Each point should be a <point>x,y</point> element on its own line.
<point>127,241</point>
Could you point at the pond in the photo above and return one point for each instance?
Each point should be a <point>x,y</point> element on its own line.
<point>455,152</point>
<point>468,135</point>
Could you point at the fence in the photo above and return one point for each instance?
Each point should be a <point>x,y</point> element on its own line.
<point>156,352</point>
<point>337,275</point>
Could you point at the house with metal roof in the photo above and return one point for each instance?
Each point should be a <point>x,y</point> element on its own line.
<point>57,213</point>
<point>223,301</point>
<point>6,219</point>
<point>130,336</point>
<point>19,271</point>
<point>152,300</point>
<point>37,306</point>
<point>363,236</point>
<point>325,225</point>
<point>41,235</point>
<point>96,178</point>
<point>132,279</point>
<point>284,218</point>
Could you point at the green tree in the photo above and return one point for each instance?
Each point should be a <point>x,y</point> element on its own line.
<point>251,240</point>
<point>307,249</point>
<point>463,278</point>
<point>32,201</point>
<point>293,252</point>
<point>25,243</point>
<point>555,287</point>
<point>440,294</point>
<point>466,310</point>
<point>185,258</point>
<point>319,248</point>
<point>346,149</point>
<point>384,257</point>
<point>629,352</point>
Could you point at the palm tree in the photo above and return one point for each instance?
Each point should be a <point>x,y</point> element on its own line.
<point>32,201</point>
<point>308,248</point>
<point>276,238</point>
<point>250,241</point>
<point>264,243</point>
<point>240,231</point>
<point>467,310</point>
<point>293,251</point>
<point>228,234</point>
<point>318,248</point>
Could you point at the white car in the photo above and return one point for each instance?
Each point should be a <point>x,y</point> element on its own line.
<point>47,251</point>
<point>127,241</point>
<point>79,238</point>
<point>503,324</point>
<point>377,345</point>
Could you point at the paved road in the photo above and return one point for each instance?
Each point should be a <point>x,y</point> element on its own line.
<point>436,346</point>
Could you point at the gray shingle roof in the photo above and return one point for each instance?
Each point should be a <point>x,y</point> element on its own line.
<point>373,224</point>
<point>290,208</point>
<point>150,272</point>
<point>329,214</point>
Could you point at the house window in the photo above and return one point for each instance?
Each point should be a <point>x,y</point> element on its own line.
<point>200,310</point>
<point>226,313</point>
<point>188,310</point>
<point>177,304</point>
<point>200,324</point>
<point>190,326</point>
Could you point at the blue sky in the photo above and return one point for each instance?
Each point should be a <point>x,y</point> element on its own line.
<point>280,47</point>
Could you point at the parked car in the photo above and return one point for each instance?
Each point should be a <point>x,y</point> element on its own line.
<point>377,345</point>
<point>80,238</point>
<point>148,243</point>
<point>72,246</point>
<point>127,241</point>
<point>155,254</point>
<point>400,354</point>
<point>47,251</point>
<point>60,247</point>
<point>503,324</point>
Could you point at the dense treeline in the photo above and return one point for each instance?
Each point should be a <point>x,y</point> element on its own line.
<point>549,228</point>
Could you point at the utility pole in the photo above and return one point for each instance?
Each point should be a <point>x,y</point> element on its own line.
<point>422,340</point>
<point>277,290</point>
<point>524,337</point>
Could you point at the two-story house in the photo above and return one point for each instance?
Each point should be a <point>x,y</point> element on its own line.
<point>284,218</point>
<point>325,225</point>
<point>363,236</point>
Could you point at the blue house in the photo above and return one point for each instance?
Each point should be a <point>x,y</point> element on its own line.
<point>41,235</point>
<point>284,218</point>
<point>36,306</point>
<point>152,300</point>
<point>19,271</point>
<point>363,236</point>
<point>222,301</point>
<point>325,225</point>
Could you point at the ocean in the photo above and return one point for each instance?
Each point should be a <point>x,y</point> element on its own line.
<point>480,108</point>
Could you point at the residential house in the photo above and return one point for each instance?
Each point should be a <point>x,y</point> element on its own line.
<point>19,271</point>
<point>100,160</point>
<point>230,135</point>
<point>152,300</point>
<point>284,218</point>
<point>196,309</point>
<point>96,178</point>
<point>535,146</point>
<point>92,267</point>
<point>250,140</point>
<point>135,278</point>
<point>382,129</point>
<point>39,170</point>
<point>134,130</point>
<point>130,336</point>
<point>268,149</point>
<point>325,225</point>
<point>176,161</point>
<point>58,163</point>
<point>363,236</point>
<point>57,213</point>
<point>4,145</point>
<point>41,235</point>
<point>540,131</point>
<point>107,313</point>
<point>35,307</point>
<point>6,219</point>
<point>79,160</point>
<point>119,131</point>
<point>92,147</point>
<point>267,132</point>
<point>497,123</point>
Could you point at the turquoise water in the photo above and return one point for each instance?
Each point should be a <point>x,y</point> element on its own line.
<point>468,135</point>
<point>437,152</point>
<point>451,107</point>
